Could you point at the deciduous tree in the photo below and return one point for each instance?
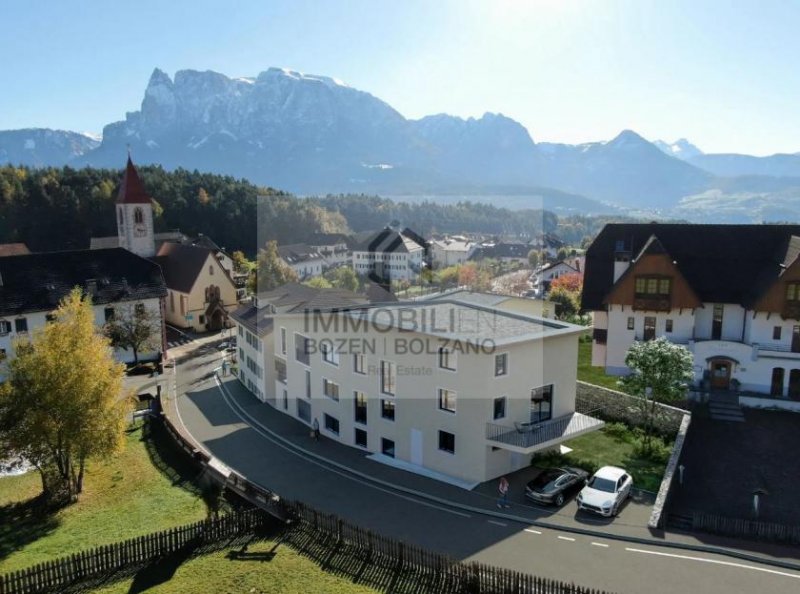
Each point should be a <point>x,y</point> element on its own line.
<point>135,328</point>
<point>271,271</point>
<point>61,404</point>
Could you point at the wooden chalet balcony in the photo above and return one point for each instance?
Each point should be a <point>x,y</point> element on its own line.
<point>652,302</point>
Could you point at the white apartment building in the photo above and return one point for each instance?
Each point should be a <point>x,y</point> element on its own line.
<point>333,248</point>
<point>730,293</point>
<point>450,389</point>
<point>391,255</point>
<point>32,285</point>
<point>303,259</point>
<point>451,251</point>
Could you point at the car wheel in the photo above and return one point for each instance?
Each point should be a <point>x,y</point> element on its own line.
<point>560,499</point>
<point>614,511</point>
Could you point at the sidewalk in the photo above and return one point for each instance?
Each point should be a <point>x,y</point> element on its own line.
<point>630,525</point>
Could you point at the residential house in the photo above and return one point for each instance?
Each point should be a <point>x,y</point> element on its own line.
<point>547,273</point>
<point>548,244</point>
<point>451,250</point>
<point>305,260</point>
<point>450,389</point>
<point>504,252</point>
<point>333,247</point>
<point>32,285</point>
<point>391,255</point>
<point>730,293</point>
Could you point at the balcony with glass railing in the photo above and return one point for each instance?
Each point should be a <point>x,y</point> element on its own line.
<point>528,437</point>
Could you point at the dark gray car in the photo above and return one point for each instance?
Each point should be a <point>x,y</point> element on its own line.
<point>554,485</point>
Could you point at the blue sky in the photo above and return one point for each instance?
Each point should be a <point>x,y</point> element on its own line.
<point>726,78</point>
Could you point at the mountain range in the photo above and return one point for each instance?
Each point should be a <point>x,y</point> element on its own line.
<point>314,134</point>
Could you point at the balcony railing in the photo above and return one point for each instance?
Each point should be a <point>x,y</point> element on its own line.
<point>531,437</point>
<point>652,303</point>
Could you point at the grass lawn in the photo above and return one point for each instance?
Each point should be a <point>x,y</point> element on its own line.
<point>601,449</point>
<point>123,497</point>
<point>258,571</point>
<point>594,375</point>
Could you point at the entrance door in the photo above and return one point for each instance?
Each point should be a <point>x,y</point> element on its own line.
<point>720,374</point>
<point>776,387</point>
<point>796,339</point>
<point>649,328</point>
<point>794,384</point>
<point>416,447</point>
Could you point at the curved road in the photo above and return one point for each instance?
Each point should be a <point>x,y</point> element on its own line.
<point>617,566</point>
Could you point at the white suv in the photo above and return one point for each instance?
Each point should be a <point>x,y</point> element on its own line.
<point>605,491</point>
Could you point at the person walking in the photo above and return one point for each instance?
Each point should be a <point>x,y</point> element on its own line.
<point>502,501</point>
<point>315,429</point>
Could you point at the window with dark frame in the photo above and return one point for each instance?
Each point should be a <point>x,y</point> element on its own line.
<point>283,341</point>
<point>499,410</point>
<point>387,409</point>
<point>360,363</point>
<point>793,292</point>
<point>360,404</point>
<point>631,323</point>
<point>446,359</point>
<point>330,389</point>
<point>776,333</point>
<point>500,364</point>
<point>361,438</point>
<point>387,447</point>
<point>668,326</point>
<point>653,286</point>
<point>542,404</point>
<point>108,313</point>
<point>388,377</point>
<point>447,442</point>
<point>331,423</point>
<point>447,400</point>
<point>329,354</point>
<point>301,350</point>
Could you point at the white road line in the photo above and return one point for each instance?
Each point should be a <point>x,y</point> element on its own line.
<point>567,538</point>
<point>532,531</point>
<point>599,544</point>
<point>716,562</point>
<point>496,523</point>
<point>234,407</point>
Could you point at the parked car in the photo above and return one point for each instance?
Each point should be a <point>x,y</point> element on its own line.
<point>606,491</point>
<point>554,485</point>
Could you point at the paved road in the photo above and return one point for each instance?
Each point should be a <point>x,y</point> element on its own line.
<point>608,564</point>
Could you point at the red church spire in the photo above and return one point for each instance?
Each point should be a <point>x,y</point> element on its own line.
<point>132,191</point>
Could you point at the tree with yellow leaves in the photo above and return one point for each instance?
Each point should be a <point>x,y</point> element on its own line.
<point>61,404</point>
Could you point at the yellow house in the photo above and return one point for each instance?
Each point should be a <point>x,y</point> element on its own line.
<point>200,291</point>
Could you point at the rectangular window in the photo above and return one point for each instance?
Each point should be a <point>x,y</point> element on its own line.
<point>202,319</point>
<point>387,447</point>
<point>331,423</point>
<point>5,327</point>
<point>301,349</point>
<point>387,409</point>
<point>542,404</point>
<point>303,410</point>
<point>360,363</point>
<point>108,313</point>
<point>631,323</point>
<point>716,321</point>
<point>283,341</point>
<point>21,325</point>
<point>447,360</point>
<point>447,400</point>
<point>668,326</point>
<point>329,354</point>
<point>241,330</point>
<point>652,286</point>
<point>360,400</point>
<point>286,401</point>
<point>211,271</point>
<point>183,305</point>
<point>776,333</point>
<point>280,370</point>
<point>308,384</point>
<point>447,442</point>
<point>500,364</point>
<point>792,291</point>
<point>330,389</point>
<point>388,377</point>
<point>361,438</point>
<point>649,328</point>
<point>499,407</point>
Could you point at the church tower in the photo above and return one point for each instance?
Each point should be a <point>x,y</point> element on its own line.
<point>135,215</point>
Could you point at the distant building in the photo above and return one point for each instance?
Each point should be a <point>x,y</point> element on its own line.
<point>451,251</point>
<point>547,273</point>
<point>305,260</point>
<point>505,252</point>
<point>547,243</point>
<point>390,255</point>
<point>730,293</point>
<point>32,285</point>
<point>333,247</point>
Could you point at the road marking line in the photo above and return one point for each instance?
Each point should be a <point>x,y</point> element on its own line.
<point>496,523</point>
<point>567,538</point>
<point>715,561</point>
<point>599,544</point>
<point>532,531</point>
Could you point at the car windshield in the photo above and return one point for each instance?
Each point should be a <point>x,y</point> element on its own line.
<point>546,480</point>
<point>602,484</point>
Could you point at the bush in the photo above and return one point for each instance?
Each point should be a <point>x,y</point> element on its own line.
<point>621,431</point>
<point>557,460</point>
<point>655,450</point>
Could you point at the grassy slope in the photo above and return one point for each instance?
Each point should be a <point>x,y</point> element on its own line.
<point>123,497</point>
<point>594,375</point>
<point>285,572</point>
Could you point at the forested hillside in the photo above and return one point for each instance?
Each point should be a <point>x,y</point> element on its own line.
<point>56,209</point>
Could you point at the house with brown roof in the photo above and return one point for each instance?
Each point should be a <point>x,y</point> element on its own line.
<point>730,293</point>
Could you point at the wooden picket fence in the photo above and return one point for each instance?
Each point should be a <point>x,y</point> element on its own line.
<point>61,573</point>
<point>742,528</point>
<point>438,572</point>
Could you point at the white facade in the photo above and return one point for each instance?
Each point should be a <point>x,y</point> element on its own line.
<point>451,251</point>
<point>451,415</point>
<point>396,266</point>
<point>135,228</point>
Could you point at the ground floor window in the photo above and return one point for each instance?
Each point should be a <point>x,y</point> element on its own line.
<point>447,442</point>
<point>331,423</point>
<point>776,387</point>
<point>387,409</point>
<point>361,438</point>
<point>794,383</point>
<point>387,447</point>
<point>303,410</point>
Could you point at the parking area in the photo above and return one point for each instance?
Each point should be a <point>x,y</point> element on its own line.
<point>726,462</point>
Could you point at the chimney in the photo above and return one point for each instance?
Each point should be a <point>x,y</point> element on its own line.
<point>622,259</point>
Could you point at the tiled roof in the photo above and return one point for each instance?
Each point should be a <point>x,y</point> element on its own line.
<point>390,241</point>
<point>37,282</point>
<point>182,264</point>
<point>298,252</point>
<point>131,190</point>
<point>722,263</point>
<point>296,297</point>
